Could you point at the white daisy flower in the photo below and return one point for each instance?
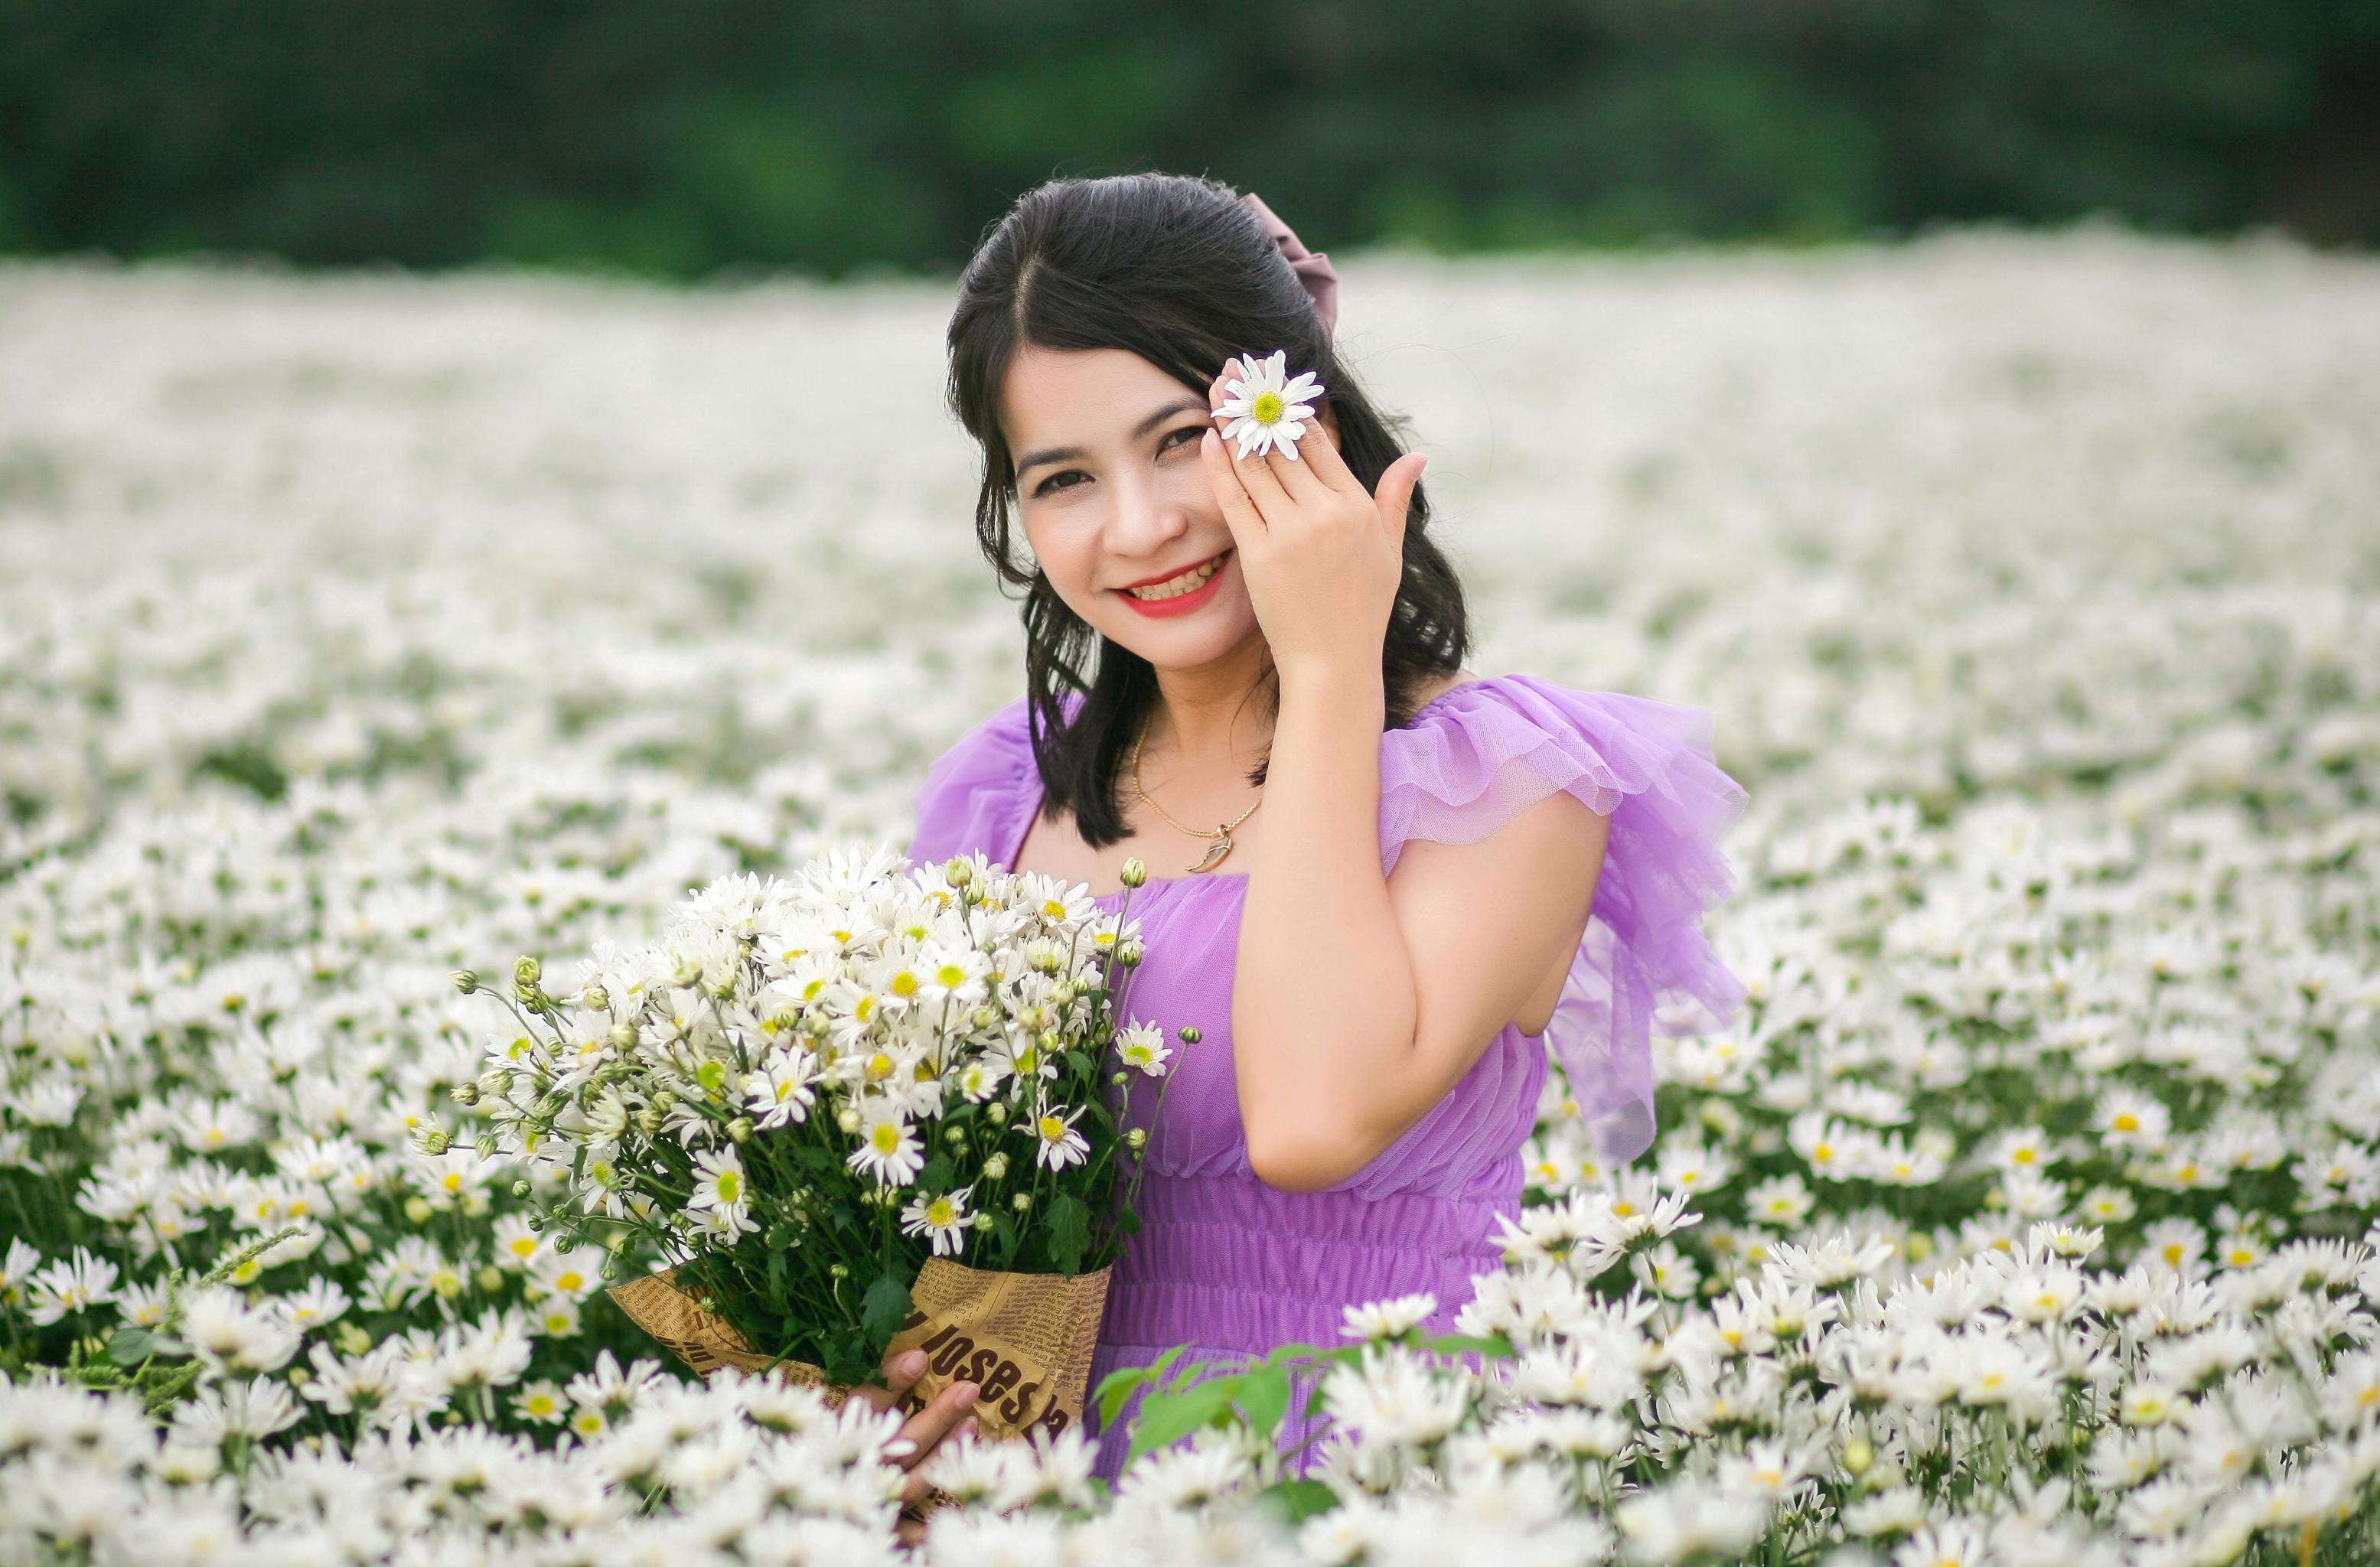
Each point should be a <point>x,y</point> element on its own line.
<point>720,1189</point>
<point>886,1150</point>
<point>1056,1143</point>
<point>1387,1318</point>
<point>1265,411</point>
<point>779,1093</point>
<point>944,1218</point>
<point>1140,1045</point>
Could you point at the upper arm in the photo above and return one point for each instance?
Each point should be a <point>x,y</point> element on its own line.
<point>1483,923</point>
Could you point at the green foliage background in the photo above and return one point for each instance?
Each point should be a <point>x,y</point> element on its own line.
<point>680,139</point>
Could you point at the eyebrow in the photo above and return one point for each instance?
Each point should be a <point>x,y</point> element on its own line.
<point>1067,453</point>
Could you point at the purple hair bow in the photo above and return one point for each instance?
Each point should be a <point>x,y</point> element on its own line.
<point>1312,267</point>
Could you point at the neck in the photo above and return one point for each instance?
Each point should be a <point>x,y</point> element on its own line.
<point>1214,718</point>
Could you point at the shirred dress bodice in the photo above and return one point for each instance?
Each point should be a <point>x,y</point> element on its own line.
<point>1233,1267</point>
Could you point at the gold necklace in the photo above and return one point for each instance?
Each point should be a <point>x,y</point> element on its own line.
<point>1222,835</point>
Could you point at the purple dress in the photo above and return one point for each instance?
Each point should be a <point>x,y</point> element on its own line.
<point>1233,1267</point>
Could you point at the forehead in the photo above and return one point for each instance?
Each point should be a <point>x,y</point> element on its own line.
<point>1074,396</point>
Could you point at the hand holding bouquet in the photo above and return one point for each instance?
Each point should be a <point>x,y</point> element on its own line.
<point>873,1108</point>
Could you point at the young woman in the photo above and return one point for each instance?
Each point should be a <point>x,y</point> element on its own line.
<point>1372,873</point>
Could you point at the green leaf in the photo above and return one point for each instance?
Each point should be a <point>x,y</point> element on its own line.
<point>1282,1354</point>
<point>129,1346</point>
<point>1070,1232</point>
<point>1116,1387</point>
<point>1264,1398</point>
<point>884,1307</point>
<point>1166,1417</point>
<point>1293,1501</point>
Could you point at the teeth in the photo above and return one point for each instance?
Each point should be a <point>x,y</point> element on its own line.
<point>1174,587</point>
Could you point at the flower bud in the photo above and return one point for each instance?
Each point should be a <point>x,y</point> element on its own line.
<point>664,1102</point>
<point>1188,1034</point>
<point>490,1280</point>
<point>957,871</point>
<point>1120,1079</point>
<point>465,1093</point>
<point>1021,1201</point>
<point>1858,1454</point>
<point>434,1142</point>
<point>996,1113</point>
<point>956,1137</point>
<point>526,972</point>
<point>465,981</point>
<point>838,1270</point>
<point>1134,873</point>
<point>739,1130</point>
<point>622,1036</point>
<point>1131,954</point>
<point>595,998</point>
<point>996,1167</point>
<point>417,1210</point>
<point>1136,1137</point>
<point>536,1223</point>
<point>983,1016</point>
<point>846,1120</point>
<point>520,1188</point>
<point>486,1147</point>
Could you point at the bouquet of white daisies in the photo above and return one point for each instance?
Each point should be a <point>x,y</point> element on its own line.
<point>874,1105</point>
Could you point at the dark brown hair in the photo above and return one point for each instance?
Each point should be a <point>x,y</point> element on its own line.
<point>1171,267</point>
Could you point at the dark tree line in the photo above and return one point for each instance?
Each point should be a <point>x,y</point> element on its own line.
<point>681,139</point>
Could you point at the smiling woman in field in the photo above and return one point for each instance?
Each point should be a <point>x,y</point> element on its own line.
<point>1384,889</point>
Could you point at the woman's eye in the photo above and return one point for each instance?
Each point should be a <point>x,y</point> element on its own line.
<point>1051,486</point>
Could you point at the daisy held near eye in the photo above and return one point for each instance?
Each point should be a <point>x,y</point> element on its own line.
<point>1265,412</point>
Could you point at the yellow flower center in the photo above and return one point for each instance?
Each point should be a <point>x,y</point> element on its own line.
<point>950,975</point>
<point>1052,1129</point>
<point>938,1212</point>
<point>886,1137</point>
<point>2127,1121</point>
<point>1267,408</point>
<point>880,1066</point>
<point>731,1186</point>
<point>905,983</point>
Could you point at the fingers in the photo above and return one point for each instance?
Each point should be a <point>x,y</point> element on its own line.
<point>1324,462</point>
<point>1395,496</point>
<point>931,1423</point>
<point>902,1370</point>
<point>1239,509</point>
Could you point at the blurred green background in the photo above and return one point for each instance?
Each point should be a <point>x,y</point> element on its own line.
<point>684,140</point>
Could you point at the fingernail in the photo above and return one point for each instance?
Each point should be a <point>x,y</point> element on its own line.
<point>967,1429</point>
<point>968,1393</point>
<point>913,1362</point>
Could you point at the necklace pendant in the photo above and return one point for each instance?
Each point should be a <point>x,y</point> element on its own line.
<point>1215,853</point>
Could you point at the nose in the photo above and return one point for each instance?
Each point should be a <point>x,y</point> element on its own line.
<point>1148,516</point>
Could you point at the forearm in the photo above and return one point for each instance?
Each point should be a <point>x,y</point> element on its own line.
<point>1323,1004</point>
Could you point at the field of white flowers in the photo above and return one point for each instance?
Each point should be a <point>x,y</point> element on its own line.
<point>357,629</point>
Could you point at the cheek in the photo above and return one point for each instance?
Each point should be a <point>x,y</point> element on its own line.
<point>1067,556</point>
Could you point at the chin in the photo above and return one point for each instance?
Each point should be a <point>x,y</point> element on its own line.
<point>1188,644</point>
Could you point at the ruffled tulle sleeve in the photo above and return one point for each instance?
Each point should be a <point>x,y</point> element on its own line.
<point>977,794</point>
<point>1480,754</point>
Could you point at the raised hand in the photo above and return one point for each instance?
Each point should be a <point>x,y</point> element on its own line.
<point>1322,556</point>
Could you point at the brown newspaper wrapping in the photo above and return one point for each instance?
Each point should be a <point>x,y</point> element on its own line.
<point>1024,1339</point>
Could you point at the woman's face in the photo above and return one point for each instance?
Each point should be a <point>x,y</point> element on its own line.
<point>1112,491</point>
